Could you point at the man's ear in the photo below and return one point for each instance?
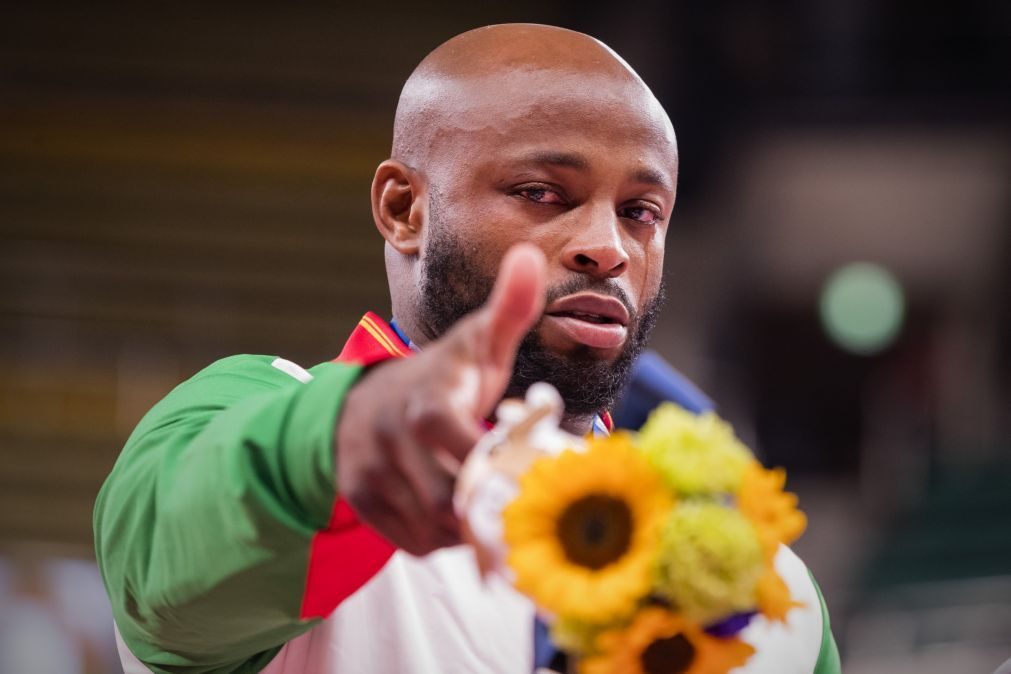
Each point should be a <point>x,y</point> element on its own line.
<point>399,205</point>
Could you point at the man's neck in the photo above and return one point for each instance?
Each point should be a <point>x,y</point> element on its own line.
<point>406,327</point>
<point>577,424</point>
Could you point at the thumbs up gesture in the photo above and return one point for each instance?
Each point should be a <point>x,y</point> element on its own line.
<point>407,425</point>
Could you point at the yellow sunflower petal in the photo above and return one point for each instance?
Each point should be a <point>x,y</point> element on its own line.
<point>773,511</point>
<point>774,599</point>
<point>525,564</point>
<point>721,655</point>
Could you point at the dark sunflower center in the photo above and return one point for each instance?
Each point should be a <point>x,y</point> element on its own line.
<point>668,656</point>
<point>595,531</point>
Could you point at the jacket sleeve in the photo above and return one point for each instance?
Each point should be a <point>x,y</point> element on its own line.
<point>828,655</point>
<point>203,528</point>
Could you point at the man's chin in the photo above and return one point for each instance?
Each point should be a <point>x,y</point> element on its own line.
<point>588,379</point>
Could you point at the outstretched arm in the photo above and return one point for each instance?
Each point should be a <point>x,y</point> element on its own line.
<point>204,528</point>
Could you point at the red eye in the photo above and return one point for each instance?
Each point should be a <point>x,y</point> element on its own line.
<point>647,216</point>
<point>541,195</point>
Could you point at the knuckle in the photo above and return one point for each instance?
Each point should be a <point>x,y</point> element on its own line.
<point>425,413</point>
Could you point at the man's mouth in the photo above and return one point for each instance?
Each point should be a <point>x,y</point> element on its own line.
<point>592,318</point>
<point>597,321</point>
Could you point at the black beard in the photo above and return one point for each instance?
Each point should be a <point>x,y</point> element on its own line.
<point>453,286</point>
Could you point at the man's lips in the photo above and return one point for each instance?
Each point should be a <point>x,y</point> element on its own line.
<point>595,320</point>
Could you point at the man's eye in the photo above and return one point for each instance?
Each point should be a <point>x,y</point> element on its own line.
<point>647,216</point>
<point>540,195</point>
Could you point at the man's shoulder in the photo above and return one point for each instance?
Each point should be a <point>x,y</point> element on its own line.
<point>226,382</point>
<point>252,371</point>
<point>256,367</point>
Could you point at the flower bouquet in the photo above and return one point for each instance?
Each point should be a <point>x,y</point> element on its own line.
<point>644,552</point>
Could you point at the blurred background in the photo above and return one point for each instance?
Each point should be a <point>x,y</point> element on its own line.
<point>190,180</point>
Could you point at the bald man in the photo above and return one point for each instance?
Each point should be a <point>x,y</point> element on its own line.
<point>264,517</point>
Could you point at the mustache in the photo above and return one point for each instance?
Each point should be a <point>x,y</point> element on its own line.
<point>581,283</point>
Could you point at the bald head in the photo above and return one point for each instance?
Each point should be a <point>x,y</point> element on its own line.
<point>526,46</point>
<point>515,64</point>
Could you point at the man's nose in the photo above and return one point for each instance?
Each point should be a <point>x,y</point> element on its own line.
<point>596,247</point>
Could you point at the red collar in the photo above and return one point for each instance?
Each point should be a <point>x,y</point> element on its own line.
<point>372,341</point>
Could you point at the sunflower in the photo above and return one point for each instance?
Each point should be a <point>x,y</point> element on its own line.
<point>661,642</point>
<point>582,531</point>
<point>773,511</point>
<point>710,561</point>
<point>697,455</point>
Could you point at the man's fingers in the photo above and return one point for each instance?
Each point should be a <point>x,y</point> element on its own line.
<point>515,303</point>
<point>395,510</point>
<point>430,478</point>
<point>441,423</point>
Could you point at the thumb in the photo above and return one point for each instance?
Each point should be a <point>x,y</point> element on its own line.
<point>516,303</point>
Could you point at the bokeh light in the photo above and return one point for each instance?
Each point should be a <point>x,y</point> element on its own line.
<point>862,308</point>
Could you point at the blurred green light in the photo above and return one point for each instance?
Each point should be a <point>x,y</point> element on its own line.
<point>862,307</point>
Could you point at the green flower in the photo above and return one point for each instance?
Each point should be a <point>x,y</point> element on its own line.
<point>696,455</point>
<point>710,561</point>
<point>576,636</point>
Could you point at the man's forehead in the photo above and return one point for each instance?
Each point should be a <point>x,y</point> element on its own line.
<point>544,100</point>
<point>528,87</point>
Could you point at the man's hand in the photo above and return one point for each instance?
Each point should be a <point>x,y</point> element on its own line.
<point>408,424</point>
